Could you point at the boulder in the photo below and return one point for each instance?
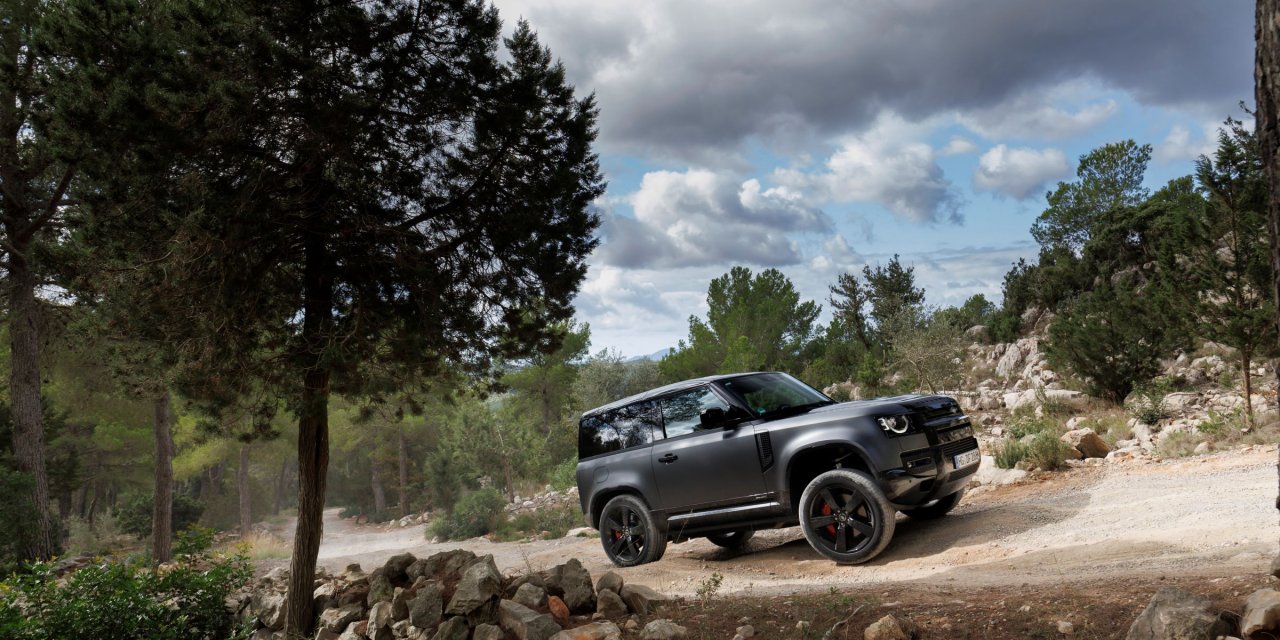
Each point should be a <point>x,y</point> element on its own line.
<point>526,623</point>
<point>480,583</point>
<point>380,589</point>
<point>1174,614</point>
<point>572,583</point>
<point>426,607</point>
<point>531,595</point>
<point>396,568</point>
<point>1088,443</point>
<point>1180,402</point>
<point>441,565</point>
<point>453,629</point>
<point>889,628</point>
<point>379,621</point>
<point>593,631</point>
<point>355,592</point>
<point>325,595</point>
<point>268,607</point>
<point>610,605</point>
<point>989,473</point>
<point>610,581</point>
<point>487,632</point>
<point>1261,615</point>
<point>663,630</point>
<point>641,599</point>
<point>400,604</point>
<point>336,620</point>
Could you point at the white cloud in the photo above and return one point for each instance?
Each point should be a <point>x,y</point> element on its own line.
<point>887,165</point>
<point>958,146</point>
<point>1019,172</point>
<point>1182,145</point>
<point>701,217</point>
<point>1037,116</point>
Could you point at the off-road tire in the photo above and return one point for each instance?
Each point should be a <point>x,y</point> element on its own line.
<point>736,539</point>
<point>935,509</point>
<point>845,516</point>
<point>629,534</point>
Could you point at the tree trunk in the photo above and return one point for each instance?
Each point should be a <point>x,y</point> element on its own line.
<point>379,495</point>
<point>281,481</point>
<point>242,487</point>
<point>162,505</point>
<point>1266,75</point>
<point>24,398</point>
<point>402,453</point>
<point>313,439</point>
<point>1246,361</point>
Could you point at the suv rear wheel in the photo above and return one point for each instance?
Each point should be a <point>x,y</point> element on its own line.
<point>936,509</point>
<point>628,533</point>
<point>846,517</point>
<point>732,539</point>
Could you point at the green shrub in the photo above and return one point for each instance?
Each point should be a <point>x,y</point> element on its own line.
<point>134,513</point>
<point>1047,452</point>
<point>1147,403</point>
<point>123,600</point>
<point>565,475</point>
<point>1009,453</point>
<point>1178,444</point>
<point>1029,425</point>
<point>351,511</point>
<point>548,522</point>
<point>476,514</point>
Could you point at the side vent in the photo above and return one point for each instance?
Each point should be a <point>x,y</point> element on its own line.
<point>764,446</point>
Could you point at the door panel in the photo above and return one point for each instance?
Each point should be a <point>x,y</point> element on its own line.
<point>701,468</point>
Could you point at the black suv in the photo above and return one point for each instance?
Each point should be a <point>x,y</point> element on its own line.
<point>725,455</point>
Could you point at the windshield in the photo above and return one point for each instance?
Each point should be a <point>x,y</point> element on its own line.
<point>767,393</point>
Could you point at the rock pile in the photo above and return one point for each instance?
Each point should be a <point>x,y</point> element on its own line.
<point>1174,614</point>
<point>548,498</point>
<point>456,595</point>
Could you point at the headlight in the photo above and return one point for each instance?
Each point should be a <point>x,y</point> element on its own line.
<point>896,425</point>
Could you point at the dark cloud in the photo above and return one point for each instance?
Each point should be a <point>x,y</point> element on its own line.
<point>686,79</point>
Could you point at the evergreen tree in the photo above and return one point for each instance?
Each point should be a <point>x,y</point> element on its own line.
<point>1109,177</point>
<point>362,185</point>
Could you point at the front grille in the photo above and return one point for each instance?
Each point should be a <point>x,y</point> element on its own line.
<point>960,446</point>
<point>764,446</point>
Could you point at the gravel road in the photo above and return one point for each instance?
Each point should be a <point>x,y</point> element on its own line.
<point>1209,515</point>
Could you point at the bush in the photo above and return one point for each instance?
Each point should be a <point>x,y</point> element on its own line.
<point>565,475</point>
<point>1147,401</point>
<point>476,514</point>
<point>125,601</point>
<point>134,513</point>
<point>1047,451</point>
<point>1029,425</point>
<point>548,522</point>
<point>1009,453</point>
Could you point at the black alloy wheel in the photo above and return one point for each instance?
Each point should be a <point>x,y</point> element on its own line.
<point>846,517</point>
<point>628,533</point>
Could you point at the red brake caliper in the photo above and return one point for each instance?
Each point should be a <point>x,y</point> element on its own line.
<point>826,511</point>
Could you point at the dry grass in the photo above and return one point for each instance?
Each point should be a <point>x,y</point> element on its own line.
<point>258,547</point>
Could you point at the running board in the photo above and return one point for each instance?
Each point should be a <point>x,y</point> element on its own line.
<point>721,512</point>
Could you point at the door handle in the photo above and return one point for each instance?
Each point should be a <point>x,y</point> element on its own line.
<point>669,458</point>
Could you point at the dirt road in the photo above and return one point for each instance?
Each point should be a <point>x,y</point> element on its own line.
<point>1206,516</point>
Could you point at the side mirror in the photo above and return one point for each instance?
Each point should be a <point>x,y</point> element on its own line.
<point>713,418</point>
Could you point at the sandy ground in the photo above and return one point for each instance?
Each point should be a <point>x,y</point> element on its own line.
<point>1203,516</point>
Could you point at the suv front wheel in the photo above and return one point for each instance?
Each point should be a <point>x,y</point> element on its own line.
<point>846,517</point>
<point>628,533</point>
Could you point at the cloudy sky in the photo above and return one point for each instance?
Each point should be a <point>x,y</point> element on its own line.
<point>816,137</point>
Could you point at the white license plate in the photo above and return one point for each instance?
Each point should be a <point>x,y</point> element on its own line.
<point>967,458</point>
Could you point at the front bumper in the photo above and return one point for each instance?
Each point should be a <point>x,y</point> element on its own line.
<point>929,473</point>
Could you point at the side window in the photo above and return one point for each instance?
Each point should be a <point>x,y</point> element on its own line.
<point>629,426</point>
<point>682,413</point>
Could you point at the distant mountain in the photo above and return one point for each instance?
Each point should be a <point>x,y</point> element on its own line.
<point>655,356</point>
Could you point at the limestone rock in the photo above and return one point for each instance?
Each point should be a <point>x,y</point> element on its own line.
<point>572,582</point>
<point>380,589</point>
<point>1087,442</point>
<point>441,565</point>
<point>397,566</point>
<point>1261,615</point>
<point>452,629</point>
<point>427,606</point>
<point>269,608</point>
<point>593,631</point>
<point>336,620</point>
<point>610,581</point>
<point>480,583</point>
<point>526,623</point>
<point>531,595</point>
<point>889,628</point>
<point>380,616</point>
<point>487,632</point>
<point>663,630</point>
<point>1174,614</point>
<point>641,599</point>
<point>610,605</point>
